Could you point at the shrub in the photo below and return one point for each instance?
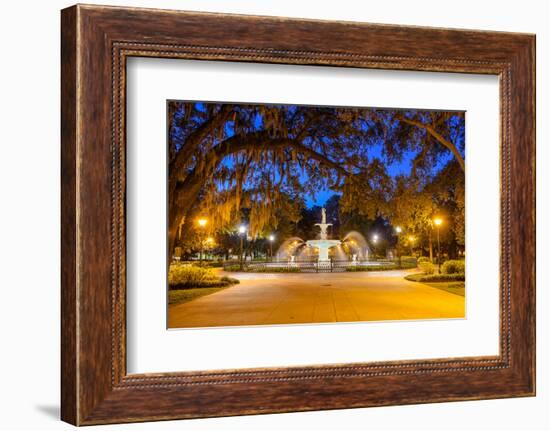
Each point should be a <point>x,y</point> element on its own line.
<point>435,277</point>
<point>407,262</point>
<point>218,282</point>
<point>423,259</point>
<point>209,263</point>
<point>260,268</point>
<point>453,267</point>
<point>360,268</point>
<point>274,269</point>
<point>181,276</point>
<point>232,267</point>
<point>229,280</point>
<point>188,274</point>
<point>427,267</point>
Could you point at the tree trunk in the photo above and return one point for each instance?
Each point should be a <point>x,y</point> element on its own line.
<point>173,227</point>
<point>185,196</point>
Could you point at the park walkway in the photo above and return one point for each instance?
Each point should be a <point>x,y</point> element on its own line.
<point>262,299</point>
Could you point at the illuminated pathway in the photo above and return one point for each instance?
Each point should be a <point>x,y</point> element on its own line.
<point>315,298</point>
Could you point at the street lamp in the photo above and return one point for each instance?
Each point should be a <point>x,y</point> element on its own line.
<point>209,243</point>
<point>374,240</point>
<point>411,243</point>
<point>398,231</point>
<point>202,224</point>
<point>438,222</point>
<point>271,239</point>
<point>242,231</point>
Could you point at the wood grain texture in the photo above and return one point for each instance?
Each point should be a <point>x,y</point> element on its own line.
<point>69,397</point>
<point>96,41</point>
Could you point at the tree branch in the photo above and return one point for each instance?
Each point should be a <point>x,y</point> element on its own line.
<point>304,132</point>
<point>431,130</point>
<point>193,141</point>
<point>256,141</point>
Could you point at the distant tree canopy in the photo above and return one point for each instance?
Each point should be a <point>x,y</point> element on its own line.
<point>414,208</point>
<point>224,158</point>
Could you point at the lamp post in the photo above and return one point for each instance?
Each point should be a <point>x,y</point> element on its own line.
<point>398,230</point>
<point>375,241</point>
<point>438,221</point>
<point>411,243</point>
<point>209,243</point>
<point>242,231</point>
<point>202,224</point>
<point>271,239</point>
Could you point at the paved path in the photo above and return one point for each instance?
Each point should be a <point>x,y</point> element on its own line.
<point>315,298</point>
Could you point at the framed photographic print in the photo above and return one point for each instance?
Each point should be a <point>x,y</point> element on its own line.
<point>271,215</point>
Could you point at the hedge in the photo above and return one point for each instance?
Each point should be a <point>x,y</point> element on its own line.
<point>435,277</point>
<point>360,268</point>
<point>273,269</point>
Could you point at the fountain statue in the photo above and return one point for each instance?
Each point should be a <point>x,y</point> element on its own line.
<point>323,225</point>
<point>323,244</point>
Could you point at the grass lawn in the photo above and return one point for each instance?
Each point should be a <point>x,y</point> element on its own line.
<point>185,295</point>
<point>456,287</point>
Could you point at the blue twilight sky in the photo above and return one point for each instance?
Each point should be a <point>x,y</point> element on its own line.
<point>397,168</point>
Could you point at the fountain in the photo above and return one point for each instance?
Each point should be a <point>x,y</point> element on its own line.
<point>313,255</point>
<point>324,244</point>
<point>355,244</point>
<point>291,249</point>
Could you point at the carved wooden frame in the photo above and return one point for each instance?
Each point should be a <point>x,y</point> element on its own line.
<point>96,41</point>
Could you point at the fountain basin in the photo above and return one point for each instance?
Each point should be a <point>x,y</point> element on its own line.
<point>323,246</point>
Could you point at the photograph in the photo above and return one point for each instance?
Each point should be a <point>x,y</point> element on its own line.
<point>295,214</point>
